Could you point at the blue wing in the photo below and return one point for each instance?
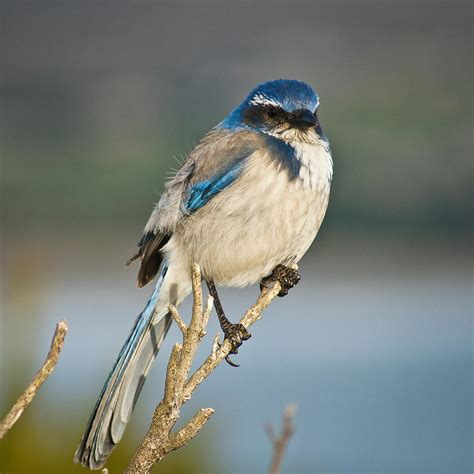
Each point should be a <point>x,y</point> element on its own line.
<point>201,193</point>
<point>220,159</point>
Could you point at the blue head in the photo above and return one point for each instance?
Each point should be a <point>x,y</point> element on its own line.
<point>277,108</point>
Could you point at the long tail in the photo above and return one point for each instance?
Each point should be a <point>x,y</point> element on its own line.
<point>114,407</point>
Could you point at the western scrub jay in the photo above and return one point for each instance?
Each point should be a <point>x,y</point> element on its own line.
<point>245,205</point>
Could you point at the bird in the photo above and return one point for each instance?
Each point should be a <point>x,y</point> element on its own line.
<point>245,205</point>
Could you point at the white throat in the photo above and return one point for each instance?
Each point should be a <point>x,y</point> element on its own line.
<point>314,156</point>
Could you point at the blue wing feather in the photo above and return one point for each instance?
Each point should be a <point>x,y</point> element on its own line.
<point>201,193</point>
<point>220,158</point>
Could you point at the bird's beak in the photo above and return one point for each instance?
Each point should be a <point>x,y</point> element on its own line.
<point>303,119</point>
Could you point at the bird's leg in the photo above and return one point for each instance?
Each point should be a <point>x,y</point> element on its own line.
<point>287,277</point>
<point>235,333</point>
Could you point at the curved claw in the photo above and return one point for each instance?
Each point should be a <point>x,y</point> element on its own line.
<point>233,364</point>
<point>235,334</point>
<point>227,359</point>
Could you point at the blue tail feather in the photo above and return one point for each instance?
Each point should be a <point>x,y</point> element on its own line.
<point>123,385</point>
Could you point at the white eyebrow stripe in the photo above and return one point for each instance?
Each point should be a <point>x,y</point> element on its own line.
<point>262,99</point>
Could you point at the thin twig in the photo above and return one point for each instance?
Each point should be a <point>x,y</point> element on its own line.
<point>27,396</point>
<point>177,319</point>
<point>280,442</point>
<point>180,385</point>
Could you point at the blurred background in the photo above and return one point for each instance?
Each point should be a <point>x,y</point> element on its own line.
<point>98,102</point>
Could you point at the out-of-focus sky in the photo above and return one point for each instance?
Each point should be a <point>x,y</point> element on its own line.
<point>98,102</point>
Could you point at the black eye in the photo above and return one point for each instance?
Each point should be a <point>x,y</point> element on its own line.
<point>272,113</point>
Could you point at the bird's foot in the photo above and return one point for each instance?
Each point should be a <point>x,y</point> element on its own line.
<point>235,334</point>
<point>287,277</point>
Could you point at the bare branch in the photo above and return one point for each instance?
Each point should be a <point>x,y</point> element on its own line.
<point>215,346</point>
<point>207,313</point>
<point>183,436</point>
<point>177,319</point>
<point>27,396</point>
<point>171,372</point>
<point>281,442</point>
<point>215,358</point>
<point>160,439</point>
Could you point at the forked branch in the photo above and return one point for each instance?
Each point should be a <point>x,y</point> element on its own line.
<point>280,442</point>
<point>180,385</point>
